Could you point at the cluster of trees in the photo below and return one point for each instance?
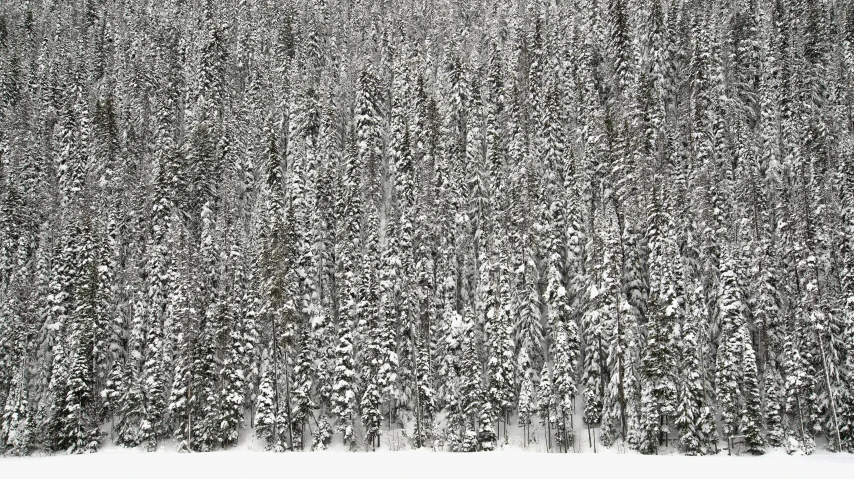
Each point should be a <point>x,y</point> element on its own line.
<point>317,220</point>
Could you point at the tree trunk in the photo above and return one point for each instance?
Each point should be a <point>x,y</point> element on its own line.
<point>275,340</point>
<point>548,432</point>
<point>830,391</point>
<point>189,419</point>
<point>418,444</point>
<point>288,402</point>
<point>565,435</point>
<point>621,391</point>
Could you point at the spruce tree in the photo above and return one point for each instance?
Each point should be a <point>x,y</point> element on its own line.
<point>751,416</point>
<point>546,404</point>
<point>343,389</point>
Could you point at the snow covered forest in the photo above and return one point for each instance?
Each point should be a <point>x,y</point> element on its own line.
<point>316,222</point>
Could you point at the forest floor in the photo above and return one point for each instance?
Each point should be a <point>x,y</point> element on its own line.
<point>249,460</point>
<point>515,458</point>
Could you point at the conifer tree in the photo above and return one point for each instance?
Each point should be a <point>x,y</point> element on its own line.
<point>303,220</point>
<point>266,413</point>
<point>751,417</point>
<point>694,420</point>
<point>565,358</point>
<point>16,434</point>
<point>546,403</point>
<point>527,404</point>
<point>728,370</point>
<point>343,393</point>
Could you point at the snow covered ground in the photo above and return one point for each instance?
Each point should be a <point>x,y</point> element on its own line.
<point>247,462</point>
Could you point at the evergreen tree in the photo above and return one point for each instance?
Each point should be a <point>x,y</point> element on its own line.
<point>527,404</point>
<point>546,403</point>
<point>266,413</point>
<point>751,418</point>
<point>309,220</point>
<point>16,428</point>
<point>773,407</point>
<point>728,370</point>
<point>695,419</point>
<point>343,394</point>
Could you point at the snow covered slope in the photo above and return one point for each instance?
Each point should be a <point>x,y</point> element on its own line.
<point>513,463</point>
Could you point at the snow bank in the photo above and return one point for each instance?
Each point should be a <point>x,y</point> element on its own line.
<point>512,463</point>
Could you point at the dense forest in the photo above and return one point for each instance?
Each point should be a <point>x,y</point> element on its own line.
<point>319,221</point>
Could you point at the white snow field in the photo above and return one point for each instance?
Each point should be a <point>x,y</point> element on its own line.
<point>246,463</point>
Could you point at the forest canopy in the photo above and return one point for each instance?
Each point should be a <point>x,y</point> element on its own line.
<point>319,221</point>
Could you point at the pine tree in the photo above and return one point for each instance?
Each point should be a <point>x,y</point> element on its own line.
<point>658,385</point>
<point>620,417</point>
<point>471,395</point>
<point>546,403</point>
<point>800,391</point>
<point>74,424</point>
<point>322,435</point>
<point>500,369</point>
<point>299,215</point>
<point>595,370</point>
<point>266,414</point>
<point>728,370</point>
<point>303,404</point>
<point>371,415</point>
<point>181,392</point>
<point>694,418</point>
<point>426,394</point>
<point>773,406</point>
<point>527,404</point>
<point>751,419</point>
<point>847,409</point>
<point>343,394</point>
<point>232,377</point>
<point>369,326</point>
<point>565,356</point>
<point>16,435</point>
